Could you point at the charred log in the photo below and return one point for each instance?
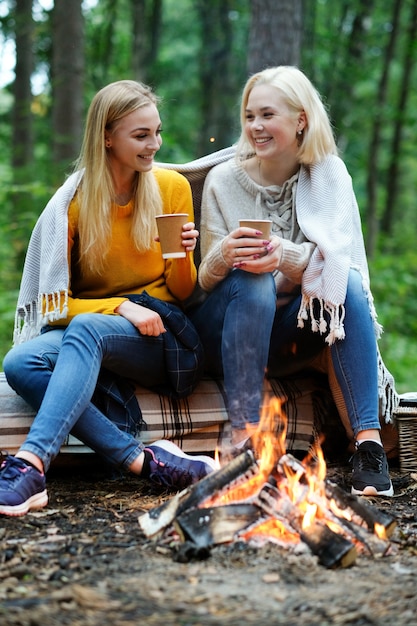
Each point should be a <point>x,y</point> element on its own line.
<point>332,550</point>
<point>160,517</point>
<point>214,525</point>
<point>361,512</point>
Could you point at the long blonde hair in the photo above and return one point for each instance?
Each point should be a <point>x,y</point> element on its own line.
<point>96,192</point>
<point>300,95</point>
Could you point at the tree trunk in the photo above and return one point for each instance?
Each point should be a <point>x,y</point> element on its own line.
<point>217,76</point>
<point>138,39</point>
<point>22,140</point>
<point>378,117</point>
<point>275,34</point>
<point>146,30</point>
<point>395,152</point>
<point>21,200</point>
<point>67,81</point>
<point>343,82</point>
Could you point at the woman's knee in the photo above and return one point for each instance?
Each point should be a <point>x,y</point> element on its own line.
<point>254,287</point>
<point>356,297</point>
<point>39,353</point>
<point>11,365</point>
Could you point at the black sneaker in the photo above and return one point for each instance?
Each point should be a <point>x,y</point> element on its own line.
<point>370,474</point>
<point>22,488</point>
<point>170,467</point>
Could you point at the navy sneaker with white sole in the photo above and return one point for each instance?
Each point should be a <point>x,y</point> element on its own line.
<point>172,468</point>
<point>22,488</point>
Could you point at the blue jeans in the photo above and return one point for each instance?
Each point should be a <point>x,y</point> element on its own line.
<point>242,329</point>
<point>57,372</point>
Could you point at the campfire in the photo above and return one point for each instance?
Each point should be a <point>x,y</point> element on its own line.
<point>270,496</point>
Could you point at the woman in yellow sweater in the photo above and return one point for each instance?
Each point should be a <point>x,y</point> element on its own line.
<point>97,297</point>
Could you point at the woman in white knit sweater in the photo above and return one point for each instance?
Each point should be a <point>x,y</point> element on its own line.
<point>276,304</point>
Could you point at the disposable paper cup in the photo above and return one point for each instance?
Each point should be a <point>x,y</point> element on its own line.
<point>169,231</point>
<point>263,225</point>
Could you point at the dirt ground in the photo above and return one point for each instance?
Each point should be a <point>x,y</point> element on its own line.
<point>84,560</point>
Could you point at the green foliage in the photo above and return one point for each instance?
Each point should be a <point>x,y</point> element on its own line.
<point>394,287</point>
<point>346,69</point>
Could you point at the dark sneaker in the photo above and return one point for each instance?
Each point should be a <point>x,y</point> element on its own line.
<point>370,474</point>
<point>171,467</point>
<point>22,488</point>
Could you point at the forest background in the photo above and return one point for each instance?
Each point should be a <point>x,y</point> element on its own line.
<point>360,54</point>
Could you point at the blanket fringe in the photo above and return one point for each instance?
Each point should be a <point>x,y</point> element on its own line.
<point>336,312</point>
<point>389,399</point>
<point>30,318</point>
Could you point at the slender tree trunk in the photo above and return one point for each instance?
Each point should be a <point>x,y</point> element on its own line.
<point>22,131</point>
<point>395,152</point>
<point>342,82</point>
<point>146,30</point>
<point>22,139</point>
<point>138,39</point>
<point>67,81</point>
<point>218,80</point>
<point>275,34</point>
<point>374,146</point>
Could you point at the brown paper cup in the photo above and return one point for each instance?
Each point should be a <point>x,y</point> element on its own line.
<point>263,225</point>
<point>169,231</point>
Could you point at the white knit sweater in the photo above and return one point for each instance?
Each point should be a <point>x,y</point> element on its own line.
<point>322,241</point>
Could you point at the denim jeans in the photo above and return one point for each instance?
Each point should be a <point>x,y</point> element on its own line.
<point>242,329</point>
<point>57,372</point>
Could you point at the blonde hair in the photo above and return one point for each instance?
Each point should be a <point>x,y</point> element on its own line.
<point>96,192</point>
<point>299,95</point>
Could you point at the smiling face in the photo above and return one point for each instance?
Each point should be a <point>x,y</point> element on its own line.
<point>270,127</point>
<point>134,140</point>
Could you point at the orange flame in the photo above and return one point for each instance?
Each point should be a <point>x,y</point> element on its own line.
<point>301,484</point>
<point>380,531</point>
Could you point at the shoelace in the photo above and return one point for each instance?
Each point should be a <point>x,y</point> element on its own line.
<point>9,470</point>
<point>369,461</point>
<point>170,476</point>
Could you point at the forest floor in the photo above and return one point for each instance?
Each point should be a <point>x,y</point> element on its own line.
<point>84,560</point>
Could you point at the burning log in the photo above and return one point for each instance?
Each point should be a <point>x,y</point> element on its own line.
<point>361,522</point>
<point>361,512</point>
<point>160,517</point>
<point>332,549</point>
<point>214,525</point>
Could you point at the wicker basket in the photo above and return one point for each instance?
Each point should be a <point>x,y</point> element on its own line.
<point>405,416</point>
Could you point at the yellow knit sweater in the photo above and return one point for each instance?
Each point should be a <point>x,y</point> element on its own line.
<point>126,270</point>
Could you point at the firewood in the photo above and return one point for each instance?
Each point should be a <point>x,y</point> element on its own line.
<point>158,518</point>
<point>214,525</point>
<point>361,512</point>
<point>331,548</point>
